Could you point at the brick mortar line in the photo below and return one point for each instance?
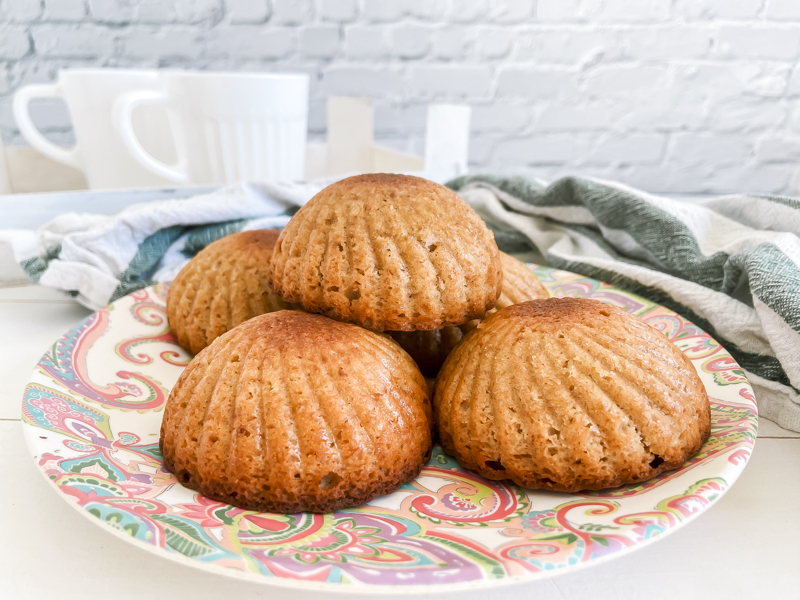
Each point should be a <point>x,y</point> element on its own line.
<point>541,26</point>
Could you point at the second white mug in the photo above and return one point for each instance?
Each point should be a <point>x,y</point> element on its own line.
<point>227,127</point>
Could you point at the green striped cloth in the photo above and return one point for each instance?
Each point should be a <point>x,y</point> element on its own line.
<point>731,265</point>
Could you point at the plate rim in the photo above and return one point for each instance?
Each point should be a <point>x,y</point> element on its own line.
<point>365,589</point>
<point>361,588</point>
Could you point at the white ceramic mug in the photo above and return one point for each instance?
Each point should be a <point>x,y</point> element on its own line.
<point>99,151</point>
<point>227,127</point>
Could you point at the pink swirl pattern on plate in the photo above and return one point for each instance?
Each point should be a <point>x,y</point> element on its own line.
<point>97,441</point>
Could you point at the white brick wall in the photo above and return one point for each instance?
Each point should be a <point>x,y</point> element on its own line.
<point>682,96</point>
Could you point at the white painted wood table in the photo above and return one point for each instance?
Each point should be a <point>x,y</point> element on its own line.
<point>746,546</point>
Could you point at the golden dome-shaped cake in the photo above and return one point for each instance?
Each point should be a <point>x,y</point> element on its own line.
<point>569,394</point>
<point>294,412</point>
<point>224,285</point>
<point>388,252</point>
<point>430,348</point>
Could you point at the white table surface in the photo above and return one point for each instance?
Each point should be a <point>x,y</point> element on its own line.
<point>745,546</point>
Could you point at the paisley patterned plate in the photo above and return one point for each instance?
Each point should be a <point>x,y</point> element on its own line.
<point>92,414</point>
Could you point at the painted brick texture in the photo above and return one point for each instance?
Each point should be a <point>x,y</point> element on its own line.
<point>673,96</point>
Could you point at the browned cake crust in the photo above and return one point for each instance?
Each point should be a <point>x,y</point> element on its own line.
<point>569,394</point>
<point>430,348</point>
<point>224,285</point>
<point>388,252</point>
<point>519,283</point>
<point>293,412</point>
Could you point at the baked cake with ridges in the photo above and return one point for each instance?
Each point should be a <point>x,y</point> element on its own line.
<point>519,283</point>
<point>388,252</point>
<point>569,394</point>
<point>430,348</point>
<point>224,285</point>
<point>294,412</point>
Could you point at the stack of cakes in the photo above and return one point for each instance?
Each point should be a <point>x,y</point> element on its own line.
<point>386,277</point>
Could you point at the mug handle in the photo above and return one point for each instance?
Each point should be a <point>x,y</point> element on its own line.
<point>122,118</point>
<point>22,99</point>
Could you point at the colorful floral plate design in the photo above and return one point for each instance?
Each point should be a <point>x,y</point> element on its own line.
<point>92,415</point>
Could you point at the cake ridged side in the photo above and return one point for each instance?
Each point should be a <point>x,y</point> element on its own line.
<point>294,412</point>
<point>519,283</point>
<point>430,348</point>
<point>224,285</point>
<point>569,397</point>
<point>388,252</point>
